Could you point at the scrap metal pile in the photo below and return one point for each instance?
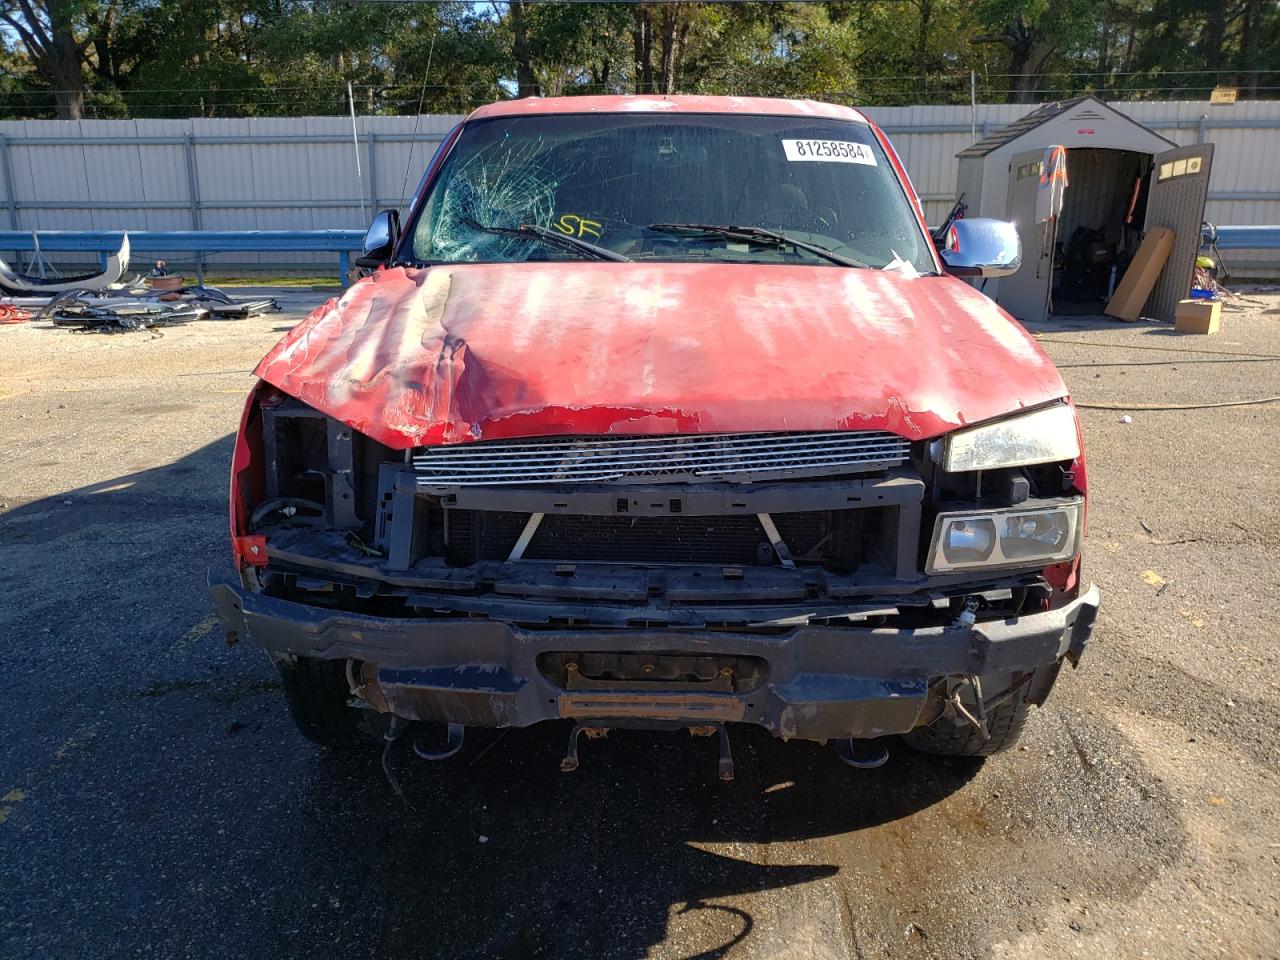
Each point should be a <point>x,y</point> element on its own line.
<point>99,303</point>
<point>132,308</point>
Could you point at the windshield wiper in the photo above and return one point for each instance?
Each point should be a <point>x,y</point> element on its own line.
<point>552,238</point>
<point>773,238</point>
<point>758,235</point>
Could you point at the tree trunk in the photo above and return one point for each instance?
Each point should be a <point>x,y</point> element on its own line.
<point>526,79</point>
<point>642,41</point>
<point>1029,55</point>
<point>105,62</point>
<point>674,32</point>
<point>1030,84</point>
<point>1251,45</point>
<point>922,44</point>
<point>1127,64</point>
<point>1214,35</point>
<point>67,76</point>
<point>1104,50</point>
<point>55,52</point>
<point>70,104</point>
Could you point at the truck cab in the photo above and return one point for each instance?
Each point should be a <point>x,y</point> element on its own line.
<point>670,413</point>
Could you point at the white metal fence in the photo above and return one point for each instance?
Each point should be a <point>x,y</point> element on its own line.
<point>300,173</point>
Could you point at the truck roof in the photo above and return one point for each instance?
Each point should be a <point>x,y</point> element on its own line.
<point>667,104</point>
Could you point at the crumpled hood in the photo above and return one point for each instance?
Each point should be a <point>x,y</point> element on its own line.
<point>462,352</point>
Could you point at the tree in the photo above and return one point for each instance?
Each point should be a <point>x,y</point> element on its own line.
<point>279,57</point>
<point>1029,53</point>
<point>56,44</point>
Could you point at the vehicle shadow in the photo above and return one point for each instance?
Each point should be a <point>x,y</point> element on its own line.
<point>497,853</point>
<point>500,854</point>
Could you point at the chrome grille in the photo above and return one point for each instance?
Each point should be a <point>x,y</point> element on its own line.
<point>665,459</point>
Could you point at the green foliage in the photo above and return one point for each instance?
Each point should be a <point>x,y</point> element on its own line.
<point>174,58</point>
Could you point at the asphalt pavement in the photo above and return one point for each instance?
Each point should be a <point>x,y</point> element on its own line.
<point>156,801</point>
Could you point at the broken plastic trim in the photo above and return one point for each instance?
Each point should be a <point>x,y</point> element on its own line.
<point>117,263</point>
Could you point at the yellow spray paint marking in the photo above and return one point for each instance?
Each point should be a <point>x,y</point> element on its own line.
<point>198,632</point>
<point>1190,615</point>
<point>13,796</point>
<point>76,743</point>
<point>572,225</point>
<point>1153,578</point>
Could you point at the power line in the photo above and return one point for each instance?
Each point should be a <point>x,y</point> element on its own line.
<point>339,87</point>
<point>338,92</point>
<point>625,3</point>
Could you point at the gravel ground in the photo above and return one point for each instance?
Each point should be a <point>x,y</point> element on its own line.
<point>156,801</point>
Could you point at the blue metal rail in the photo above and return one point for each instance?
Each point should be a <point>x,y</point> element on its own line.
<point>199,242</point>
<point>1249,238</point>
<point>342,242</point>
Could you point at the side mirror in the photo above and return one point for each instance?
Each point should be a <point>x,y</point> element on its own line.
<point>381,239</point>
<point>981,248</point>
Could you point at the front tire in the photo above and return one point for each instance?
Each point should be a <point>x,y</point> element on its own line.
<point>319,696</point>
<point>946,738</point>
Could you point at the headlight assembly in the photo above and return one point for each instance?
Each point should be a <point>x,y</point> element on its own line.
<point>1039,437</point>
<point>1005,538</point>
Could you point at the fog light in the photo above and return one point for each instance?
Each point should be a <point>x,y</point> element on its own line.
<point>1005,538</point>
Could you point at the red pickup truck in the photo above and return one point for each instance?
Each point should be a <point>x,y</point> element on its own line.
<point>669,413</point>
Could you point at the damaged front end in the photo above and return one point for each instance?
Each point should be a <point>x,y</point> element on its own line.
<point>663,415</point>
<point>788,580</point>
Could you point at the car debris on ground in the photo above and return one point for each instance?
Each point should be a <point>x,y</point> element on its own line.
<point>15,281</point>
<point>131,307</point>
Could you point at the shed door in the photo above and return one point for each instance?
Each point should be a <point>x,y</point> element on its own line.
<point>1179,185</point>
<point>1026,293</point>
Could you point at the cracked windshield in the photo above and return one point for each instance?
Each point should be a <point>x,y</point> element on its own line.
<point>733,188</point>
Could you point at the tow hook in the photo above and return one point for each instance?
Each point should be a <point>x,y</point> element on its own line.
<point>978,722</point>
<point>848,752</point>
<point>726,755</point>
<point>570,762</point>
<point>452,744</point>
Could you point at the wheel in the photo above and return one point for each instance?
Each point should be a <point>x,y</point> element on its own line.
<point>318,695</point>
<point>943,736</point>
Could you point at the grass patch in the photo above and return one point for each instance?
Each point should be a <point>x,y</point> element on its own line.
<point>269,281</point>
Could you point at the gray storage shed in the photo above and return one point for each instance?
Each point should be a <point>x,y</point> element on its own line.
<point>1111,199</point>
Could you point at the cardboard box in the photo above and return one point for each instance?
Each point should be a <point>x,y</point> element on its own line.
<point>1197,316</point>
<point>1140,279</point>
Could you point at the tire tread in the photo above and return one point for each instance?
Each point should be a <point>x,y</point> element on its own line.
<point>1005,724</point>
<point>317,694</point>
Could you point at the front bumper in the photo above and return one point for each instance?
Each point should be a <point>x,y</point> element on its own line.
<point>823,682</point>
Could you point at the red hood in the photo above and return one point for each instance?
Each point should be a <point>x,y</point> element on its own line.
<point>482,351</point>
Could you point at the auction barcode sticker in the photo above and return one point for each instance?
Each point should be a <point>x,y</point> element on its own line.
<point>828,151</point>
